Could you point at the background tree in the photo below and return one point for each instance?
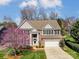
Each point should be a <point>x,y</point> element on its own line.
<point>8,22</point>
<point>39,13</point>
<point>61,23</point>
<point>53,15</point>
<point>28,13</point>
<point>75,31</point>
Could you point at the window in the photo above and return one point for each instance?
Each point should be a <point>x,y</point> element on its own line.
<point>56,31</point>
<point>52,32</point>
<point>48,31</point>
<point>34,35</point>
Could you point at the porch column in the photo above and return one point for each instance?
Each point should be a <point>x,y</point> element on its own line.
<point>30,39</point>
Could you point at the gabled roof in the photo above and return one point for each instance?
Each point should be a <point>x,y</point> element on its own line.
<point>40,24</point>
<point>48,27</point>
<point>26,25</point>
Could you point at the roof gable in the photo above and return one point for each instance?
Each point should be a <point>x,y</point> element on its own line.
<point>47,27</point>
<point>26,25</point>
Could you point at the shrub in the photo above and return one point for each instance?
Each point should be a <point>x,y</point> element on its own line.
<point>72,45</point>
<point>37,46</point>
<point>61,43</point>
<point>42,46</point>
<point>12,51</point>
<point>18,52</point>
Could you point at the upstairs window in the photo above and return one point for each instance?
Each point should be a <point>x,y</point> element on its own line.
<point>51,32</point>
<point>48,32</point>
<point>57,31</point>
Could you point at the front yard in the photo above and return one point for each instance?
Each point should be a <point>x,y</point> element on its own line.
<point>34,54</point>
<point>26,54</point>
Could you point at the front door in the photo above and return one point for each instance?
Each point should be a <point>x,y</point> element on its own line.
<point>34,39</point>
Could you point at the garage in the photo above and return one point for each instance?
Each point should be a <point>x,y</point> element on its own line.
<point>51,42</point>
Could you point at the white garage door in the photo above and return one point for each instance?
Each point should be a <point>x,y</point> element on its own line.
<point>51,43</point>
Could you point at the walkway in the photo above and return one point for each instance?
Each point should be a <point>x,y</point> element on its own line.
<point>56,53</point>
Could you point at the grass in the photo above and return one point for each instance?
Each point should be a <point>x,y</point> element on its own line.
<point>34,55</point>
<point>69,37</point>
<point>2,54</point>
<point>27,54</point>
<point>74,54</point>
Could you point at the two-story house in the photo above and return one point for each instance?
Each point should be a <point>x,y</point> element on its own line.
<point>44,32</point>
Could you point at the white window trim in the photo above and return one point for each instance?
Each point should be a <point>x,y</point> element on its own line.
<point>47,34</point>
<point>53,32</point>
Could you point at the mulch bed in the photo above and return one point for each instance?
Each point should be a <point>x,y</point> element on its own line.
<point>14,57</point>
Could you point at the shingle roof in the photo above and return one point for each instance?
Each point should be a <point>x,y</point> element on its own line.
<point>40,24</point>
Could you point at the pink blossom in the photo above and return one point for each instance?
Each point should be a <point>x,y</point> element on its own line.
<point>15,37</point>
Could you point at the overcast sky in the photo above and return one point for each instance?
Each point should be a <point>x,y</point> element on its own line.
<point>12,8</point>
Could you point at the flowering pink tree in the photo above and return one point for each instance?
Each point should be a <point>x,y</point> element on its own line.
<point>15,38</point>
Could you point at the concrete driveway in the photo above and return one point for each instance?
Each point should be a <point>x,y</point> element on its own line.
<point>56,53</point>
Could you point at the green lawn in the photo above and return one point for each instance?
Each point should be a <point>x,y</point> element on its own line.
<point>28,54</point>
<point>2,55</point>
<point>74,54</point>
<point>68,37</point>
<point>34,55</point>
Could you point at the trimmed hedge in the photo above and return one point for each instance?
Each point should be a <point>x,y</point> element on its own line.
<point>72,45</point>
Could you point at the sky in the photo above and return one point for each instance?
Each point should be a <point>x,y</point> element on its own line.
<point>12,8</point>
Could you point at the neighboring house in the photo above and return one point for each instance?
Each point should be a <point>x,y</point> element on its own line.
<point>42,32</point>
